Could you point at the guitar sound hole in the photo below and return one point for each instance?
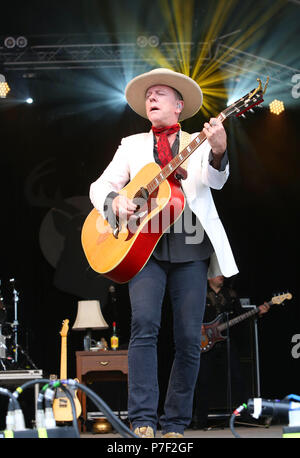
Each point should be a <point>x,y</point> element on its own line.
<point>140,203</point>
<point>141,198</point>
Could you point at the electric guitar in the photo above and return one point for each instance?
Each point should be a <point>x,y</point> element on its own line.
<point>62,408</point>
<point>120,253</point>
<point>212,332</point>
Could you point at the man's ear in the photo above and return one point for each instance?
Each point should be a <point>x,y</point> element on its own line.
<point>179,106</point>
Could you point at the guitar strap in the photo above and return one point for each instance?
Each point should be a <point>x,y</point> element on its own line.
<point>185,140</point>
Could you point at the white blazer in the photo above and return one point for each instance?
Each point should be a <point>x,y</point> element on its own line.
<point>135,152</point>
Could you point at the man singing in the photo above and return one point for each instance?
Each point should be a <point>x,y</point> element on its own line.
<point>181,260</point>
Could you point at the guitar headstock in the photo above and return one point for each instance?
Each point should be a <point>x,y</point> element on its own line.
<point>281,298</point>
<point>248,102</point>
<point>65,328</point>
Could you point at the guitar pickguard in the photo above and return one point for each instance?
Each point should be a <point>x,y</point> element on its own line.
<point>146,207</point>
<point>121,256</point>
<point>211,334</point>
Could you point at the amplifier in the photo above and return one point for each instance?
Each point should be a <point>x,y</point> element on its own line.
<point>19,376</point>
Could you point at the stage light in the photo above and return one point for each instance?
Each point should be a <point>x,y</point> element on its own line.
<point>4,87</point>
<point>142,41</point>
<point>9,42</point>
<point>29,100</point>
<point>276,107</point>
<point>153,41</point>
<point>21,42</point>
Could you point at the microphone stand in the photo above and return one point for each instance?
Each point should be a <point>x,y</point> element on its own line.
<point>15,322</point>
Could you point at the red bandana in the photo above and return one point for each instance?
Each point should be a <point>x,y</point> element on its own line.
<point>163,145</point>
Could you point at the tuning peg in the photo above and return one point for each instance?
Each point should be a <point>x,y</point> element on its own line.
<point>243,115</point>
<point>251,110</point>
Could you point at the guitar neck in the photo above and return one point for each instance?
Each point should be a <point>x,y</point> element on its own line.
<point>238,108</point>
<point>239,318</point>
<point>63,359</point>
<point>179,159</point>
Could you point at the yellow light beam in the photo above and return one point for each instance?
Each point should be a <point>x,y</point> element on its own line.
<point>218,18</point>
<point>178,16</point>
<point>251,24</point>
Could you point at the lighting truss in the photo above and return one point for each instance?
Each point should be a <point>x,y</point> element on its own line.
<point>94,55</point>
<point>241,62</point>
<point>136,52</point>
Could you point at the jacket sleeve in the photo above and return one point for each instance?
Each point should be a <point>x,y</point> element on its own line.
<point>115,177</point>
<point>211,177</point>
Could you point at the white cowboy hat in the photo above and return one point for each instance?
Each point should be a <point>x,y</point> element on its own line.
<point>135,90</point>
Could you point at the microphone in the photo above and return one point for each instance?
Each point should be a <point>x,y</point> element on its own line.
<point>269,408</point>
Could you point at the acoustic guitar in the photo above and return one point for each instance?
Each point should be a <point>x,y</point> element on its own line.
<point>120,253</point>
<point>212,332</point>
<point>62,408</point>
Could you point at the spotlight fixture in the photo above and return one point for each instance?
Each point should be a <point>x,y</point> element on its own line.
<point>276,107</point>
<point>153,41</point>
<point>4,87</point>
<point>142,41</point>
<point>21,42</point>
<point>29,100</point>
<point>9,42</point>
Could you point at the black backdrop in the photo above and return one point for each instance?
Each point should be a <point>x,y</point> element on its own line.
<point>46,169</point>
<point>49,156</point>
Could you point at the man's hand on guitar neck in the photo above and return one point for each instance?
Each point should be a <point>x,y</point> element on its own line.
<point>123,207</point>
<point>217,138</point>
<point>264,308</point>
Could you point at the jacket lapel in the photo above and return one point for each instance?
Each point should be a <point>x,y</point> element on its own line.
<point>149,146</point>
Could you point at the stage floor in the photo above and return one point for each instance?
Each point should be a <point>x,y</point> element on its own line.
<point>248,432</point>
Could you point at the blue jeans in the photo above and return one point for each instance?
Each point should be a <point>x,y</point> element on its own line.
<point>186,284</point>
